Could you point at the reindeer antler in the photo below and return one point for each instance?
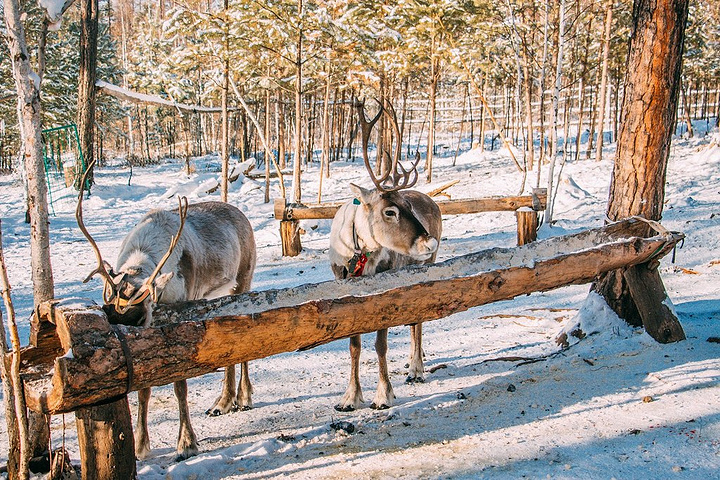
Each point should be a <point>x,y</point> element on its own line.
<point>182,211</point>
<point>109,283</point>
<point>399,177</point>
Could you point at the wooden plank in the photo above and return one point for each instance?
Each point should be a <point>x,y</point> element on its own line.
<point>537,201</point>
<point>191,339</point>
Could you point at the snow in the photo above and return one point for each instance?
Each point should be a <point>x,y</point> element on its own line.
<point>501,398</point>
<point>54,8</point>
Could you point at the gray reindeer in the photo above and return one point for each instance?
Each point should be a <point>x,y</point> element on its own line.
<point>212,254</point>
<point>384,228</point>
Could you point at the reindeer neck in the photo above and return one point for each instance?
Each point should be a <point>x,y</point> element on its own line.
<point>363,240</point>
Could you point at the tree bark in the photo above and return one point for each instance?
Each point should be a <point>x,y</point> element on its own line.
<point>225,128</point>
<point>434,79</point>
<point>649,113</point>
<point>603,82</point>
<point>29,122</point>
<point>86,86</point>
<point>297,165</point>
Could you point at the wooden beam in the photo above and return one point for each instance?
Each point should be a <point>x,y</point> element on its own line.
<point>537,201</point>
<point>101,361</point>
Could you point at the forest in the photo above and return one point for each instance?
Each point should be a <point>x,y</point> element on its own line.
<point>544,76</point>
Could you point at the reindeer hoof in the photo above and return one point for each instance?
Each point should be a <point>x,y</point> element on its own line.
<point>382,406</point>
<point>344,408</point>
<point>183,456</point>
<point>187,453</point>
<point>245,408</point>
<point>216,412</point>
<point>411,379</point>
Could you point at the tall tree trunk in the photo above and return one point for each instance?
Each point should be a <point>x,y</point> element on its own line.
<point>86,85</point>
<point>554,112</point>
<point>297,164</point>
<point>280,128</point>
<point>543,79</point>
<point>225,127</point>
<point>434,79</point>
<point>266,143</point>
<point>603,82</point>
<point>29,122</point>
<point>325,141</point>
<point>684,92</point>
<point>638,178</point>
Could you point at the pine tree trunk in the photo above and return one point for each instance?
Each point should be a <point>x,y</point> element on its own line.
<point>603,83</point>
<point>434,79</point>
<point>225,127</point>
<point>297,165</point>
<point>638,180</point>
<point>325,141</point>
<point>554,112</point>
<point>266,144</point>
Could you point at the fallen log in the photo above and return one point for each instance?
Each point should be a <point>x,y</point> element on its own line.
<point>100,361</point>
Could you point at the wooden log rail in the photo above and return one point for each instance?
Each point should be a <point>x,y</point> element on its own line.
<point>77,359</point>
<point>526,206</point>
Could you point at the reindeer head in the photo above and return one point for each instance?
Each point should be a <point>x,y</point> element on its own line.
<point>129,294</point>
<point>395,214</point>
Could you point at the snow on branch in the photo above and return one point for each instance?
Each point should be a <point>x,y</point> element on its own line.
<point>55,8</point>
<point>143,98</point>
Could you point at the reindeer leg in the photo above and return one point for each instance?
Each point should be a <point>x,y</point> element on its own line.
<point>142,438</point>
<point>244,396</point>
<point>384,396</point>
<point>225,403</point>
<point>416,372</point>
<point>187,443</point>
<point>353,395</point>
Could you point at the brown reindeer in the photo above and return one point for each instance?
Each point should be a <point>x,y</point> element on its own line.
<point>211,254</point>
<point>384,228</point>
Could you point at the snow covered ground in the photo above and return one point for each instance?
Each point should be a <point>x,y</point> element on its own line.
<point>614,405</point>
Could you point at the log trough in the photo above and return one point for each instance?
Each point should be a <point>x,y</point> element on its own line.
<point>77,359</point>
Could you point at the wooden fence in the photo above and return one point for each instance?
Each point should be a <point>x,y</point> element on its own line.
<point>525,206</point>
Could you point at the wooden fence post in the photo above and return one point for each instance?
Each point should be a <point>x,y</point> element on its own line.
<point>527,225</point>
<point>105,438</point>
<point>290,238</point>
<point>289,230</point>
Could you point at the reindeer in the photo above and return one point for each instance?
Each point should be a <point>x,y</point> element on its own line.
<point>212,254</point>
<point>381,229</point>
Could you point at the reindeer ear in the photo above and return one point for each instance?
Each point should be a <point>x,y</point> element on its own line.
<point>363,194</point>
<point>161,281</point>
